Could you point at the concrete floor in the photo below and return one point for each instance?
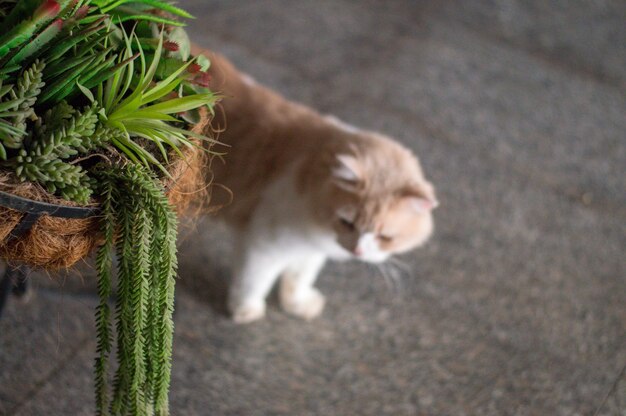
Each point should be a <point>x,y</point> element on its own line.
<point>517,306</point>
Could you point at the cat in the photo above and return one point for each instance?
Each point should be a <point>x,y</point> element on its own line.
<point>307,188</point>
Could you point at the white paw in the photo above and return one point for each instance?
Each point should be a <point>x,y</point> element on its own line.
<point>307,306</point>
<point>248,312</point>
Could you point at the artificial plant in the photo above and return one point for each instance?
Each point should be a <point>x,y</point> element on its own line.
<point>95,97</point>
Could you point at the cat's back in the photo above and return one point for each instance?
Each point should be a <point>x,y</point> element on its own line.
<point>266,135</point>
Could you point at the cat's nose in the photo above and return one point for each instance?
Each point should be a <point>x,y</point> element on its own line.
<point>358,251</point>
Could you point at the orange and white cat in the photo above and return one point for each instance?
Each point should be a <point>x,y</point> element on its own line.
<point>307,188</point>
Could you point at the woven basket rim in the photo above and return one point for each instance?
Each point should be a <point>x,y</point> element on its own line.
<point>29,205</point>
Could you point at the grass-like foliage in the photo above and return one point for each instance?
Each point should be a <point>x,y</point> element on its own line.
<point>142,113</point>
<point>145,242</point>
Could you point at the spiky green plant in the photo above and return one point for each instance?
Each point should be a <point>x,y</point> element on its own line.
<point>22,25</point>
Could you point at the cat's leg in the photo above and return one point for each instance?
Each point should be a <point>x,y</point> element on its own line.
<point>297,294</point>
<point>255,274</point>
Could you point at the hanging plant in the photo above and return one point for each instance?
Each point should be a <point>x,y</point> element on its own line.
<point>98,99</point>
<point>146,246</point>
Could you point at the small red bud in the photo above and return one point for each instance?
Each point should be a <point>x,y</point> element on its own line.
<point>47,10</point>
<point>194,68</point>
<point>202,79</point>
<point>81,12</point>
<point>170,46</point>
<point>59,23</point>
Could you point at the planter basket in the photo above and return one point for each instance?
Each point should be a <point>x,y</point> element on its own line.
<point>40,230</point>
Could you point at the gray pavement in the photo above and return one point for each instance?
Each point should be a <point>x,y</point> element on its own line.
<point>517,306</point>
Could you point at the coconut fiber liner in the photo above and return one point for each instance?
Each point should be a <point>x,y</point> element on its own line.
<point>55,242</point>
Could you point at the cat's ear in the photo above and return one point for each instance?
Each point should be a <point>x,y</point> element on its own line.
<point>422,199</point>
<point>347,173</point>
<point>422,204</point>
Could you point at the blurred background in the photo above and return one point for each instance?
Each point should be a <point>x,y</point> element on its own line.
<point>518,304</point>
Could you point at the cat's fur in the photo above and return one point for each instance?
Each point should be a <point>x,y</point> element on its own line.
<point>307,188</point>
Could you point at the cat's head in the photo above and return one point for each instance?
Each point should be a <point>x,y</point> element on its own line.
<point>381,204</point>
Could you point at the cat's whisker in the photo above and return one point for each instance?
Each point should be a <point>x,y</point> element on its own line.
<point>400,264</point>
<point>401,269</point>
<point>391,278</point>
<point>395,276</point>
<point>382,272</point>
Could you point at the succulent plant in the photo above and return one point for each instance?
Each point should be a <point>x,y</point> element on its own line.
<point>76,81</point>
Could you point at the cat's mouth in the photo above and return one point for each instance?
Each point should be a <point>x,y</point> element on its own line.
<point>375,258</point>
<point>363,250</point>
<point>367,256</point>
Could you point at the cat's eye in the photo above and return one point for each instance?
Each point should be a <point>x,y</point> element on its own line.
<point>346,223</point>
<point>385,238</point>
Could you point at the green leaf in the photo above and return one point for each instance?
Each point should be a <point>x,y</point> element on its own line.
<point>38,43</point>
<point>20,33</point>
<point>204,62</point>
<point>150,18</point>
<point>10,129</point>
<point>120,145</point>
<point>108,73</point>
<point>4,89</point>
<point>161,5</point>
<point>147,114</point>
<point>154,64</point>
<point>98,69</point>
<point>165,86</point>
<point>85,91</point>
<point>10,104</point>
<point>178,105</point>
<point>64,65</point>
<point>7,69</point>
<point>58,89</point>
<point>22,10</point>
<point>60,49</point>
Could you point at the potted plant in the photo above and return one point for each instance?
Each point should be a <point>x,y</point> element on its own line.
<point>102,119</point>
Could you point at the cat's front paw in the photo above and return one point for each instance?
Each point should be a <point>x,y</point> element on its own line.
<point>248,312</point>
<point>307,306</point>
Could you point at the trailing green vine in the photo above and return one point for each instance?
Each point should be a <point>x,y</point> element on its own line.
<point>146,247</point>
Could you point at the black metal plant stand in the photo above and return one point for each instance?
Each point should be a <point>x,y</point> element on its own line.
<point>15,281</point>
<point>15,278</point>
